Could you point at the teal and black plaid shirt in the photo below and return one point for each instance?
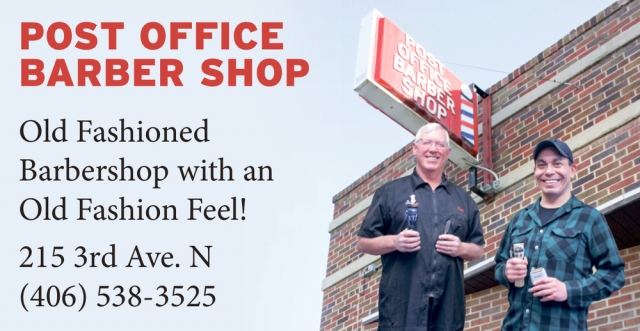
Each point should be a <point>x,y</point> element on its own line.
<point>574,240</point>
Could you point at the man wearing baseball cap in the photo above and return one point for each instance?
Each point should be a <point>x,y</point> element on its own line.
<point>568,247</point>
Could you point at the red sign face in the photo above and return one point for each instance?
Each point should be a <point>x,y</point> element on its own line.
<point>406,70</point>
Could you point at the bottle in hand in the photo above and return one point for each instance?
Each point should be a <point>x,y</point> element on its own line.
<point>518,252</point>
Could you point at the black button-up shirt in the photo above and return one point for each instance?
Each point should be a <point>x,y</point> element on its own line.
<point>410,280</point>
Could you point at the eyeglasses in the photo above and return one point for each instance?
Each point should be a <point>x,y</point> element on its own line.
<point>429,143</point>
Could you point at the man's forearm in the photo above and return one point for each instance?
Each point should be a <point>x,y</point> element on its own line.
<point>378,245</point>
<point>470,252</point>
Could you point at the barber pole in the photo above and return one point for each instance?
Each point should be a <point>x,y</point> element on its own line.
<point>467,115</point>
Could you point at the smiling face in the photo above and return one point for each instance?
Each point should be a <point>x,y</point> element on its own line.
<point>553,173</point>
<point>431,153</point>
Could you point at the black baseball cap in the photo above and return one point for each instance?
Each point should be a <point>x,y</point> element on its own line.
<point>562,148</point>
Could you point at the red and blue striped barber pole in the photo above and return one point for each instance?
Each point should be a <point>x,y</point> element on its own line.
<point>468,117</point>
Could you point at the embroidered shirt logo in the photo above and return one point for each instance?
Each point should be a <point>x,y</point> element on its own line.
<point>460,209</point>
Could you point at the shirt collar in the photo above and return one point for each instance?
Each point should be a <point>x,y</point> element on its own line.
<point>568,206</point>
<point>416,181</point>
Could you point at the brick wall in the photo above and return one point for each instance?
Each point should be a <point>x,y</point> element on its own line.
<point>608,166</point>
<point>349,302</point>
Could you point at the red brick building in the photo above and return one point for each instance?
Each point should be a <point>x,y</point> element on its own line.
<point>597,113</point>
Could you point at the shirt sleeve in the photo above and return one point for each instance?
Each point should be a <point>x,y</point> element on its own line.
<point>604,255</point>
<point>474,235</point>
<point>376,222</point>
<point>503,255</point>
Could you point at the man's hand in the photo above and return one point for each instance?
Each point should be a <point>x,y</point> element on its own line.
<point>448,244</point>
<point>516,269</point>
<point>551,289</point>
<point>408,241</point>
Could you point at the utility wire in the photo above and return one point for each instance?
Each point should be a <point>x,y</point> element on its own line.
<point>578,85</point>
<point>468,66</point>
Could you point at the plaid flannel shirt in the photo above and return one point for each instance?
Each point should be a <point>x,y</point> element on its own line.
<point>574,240</point>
